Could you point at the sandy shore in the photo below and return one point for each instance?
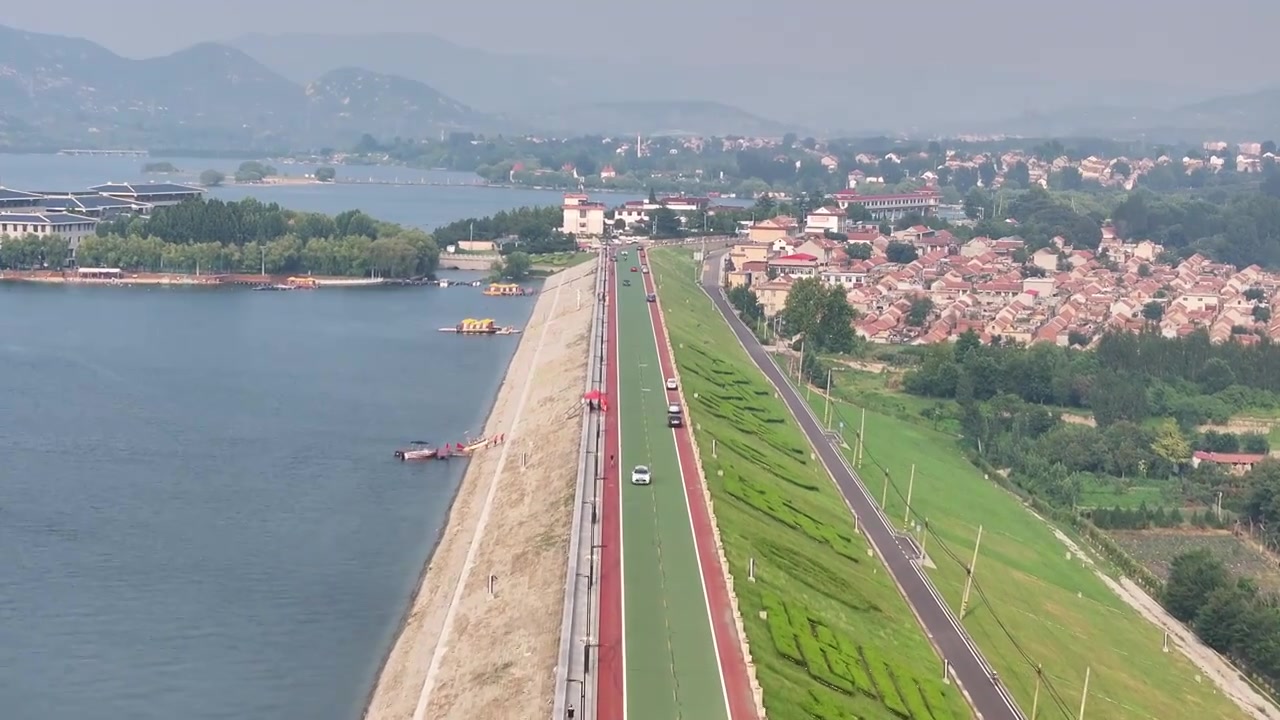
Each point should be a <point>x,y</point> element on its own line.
<point>463,653</point>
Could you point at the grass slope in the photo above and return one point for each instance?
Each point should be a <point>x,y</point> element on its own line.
<point>830,635</point>
<point>1058,610</point>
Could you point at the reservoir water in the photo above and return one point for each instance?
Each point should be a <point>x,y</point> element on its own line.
<point>200,515</point>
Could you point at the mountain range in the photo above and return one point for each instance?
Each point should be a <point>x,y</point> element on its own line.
<point>274,92</point>
<point>59,91</point>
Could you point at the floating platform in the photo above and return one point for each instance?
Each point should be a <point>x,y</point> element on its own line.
<point>487,326</point>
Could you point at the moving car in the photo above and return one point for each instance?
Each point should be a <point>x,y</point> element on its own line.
<point>633,268</point>
<point>675,417</point>
<point>671,383</point>
<point>640,475</point>
<point>644,269</point>
<point>626,282</point>
<point>651,297</point>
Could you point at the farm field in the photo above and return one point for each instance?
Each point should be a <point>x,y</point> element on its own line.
<point>830,636</point>
<point>1155,549</point>
<point>1057,610</point>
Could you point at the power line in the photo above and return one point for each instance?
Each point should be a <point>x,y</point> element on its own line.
<point>938,541</point>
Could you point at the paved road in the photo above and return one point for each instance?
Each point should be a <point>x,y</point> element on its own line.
<point>668,661</point>
<point>985,694</point>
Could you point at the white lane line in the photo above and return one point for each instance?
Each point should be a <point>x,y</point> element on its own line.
<point>654,318</point>
<point>622,554</point>
<point>442,643</point>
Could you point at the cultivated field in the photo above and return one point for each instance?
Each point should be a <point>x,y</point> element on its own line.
<point>1157,548</point>
<point>830,637</point>
<point>1057,611</point>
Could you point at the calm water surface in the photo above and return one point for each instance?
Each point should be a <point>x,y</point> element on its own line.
<point>200,516</point>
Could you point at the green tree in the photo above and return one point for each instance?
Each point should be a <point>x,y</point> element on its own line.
<point>918,315</point>
<point>900,252</point>
<point>1193,577</point>
<point>513,266</point>
<point>1170,444</point>
<point>858,251</point>
<point>666,224</point>
<point>1153,311</point>
<point>821,314</point>
<point>326,174</point>
<point>211,178</point>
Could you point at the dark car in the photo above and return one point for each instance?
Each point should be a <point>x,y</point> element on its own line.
<point>651,297</point>
<point>626,282</point>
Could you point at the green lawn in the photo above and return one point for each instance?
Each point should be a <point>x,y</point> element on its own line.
<point>671,668</point>
<point>1056,609</point>
<point>831,637</point>
<point>562,260</point>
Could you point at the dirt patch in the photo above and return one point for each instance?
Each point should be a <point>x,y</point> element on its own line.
<point>1079,419</point>
<point>1213,665</point>
<point>464,653</point>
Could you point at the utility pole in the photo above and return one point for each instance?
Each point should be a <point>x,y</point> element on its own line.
<point>968,581</point>
<point>884,499</point>
<point>1035,699</point>
<point>1084,694</point>
<point>826,414</point>
<point>911,483</point>
<point>800,365</point>
<point>862,432</point>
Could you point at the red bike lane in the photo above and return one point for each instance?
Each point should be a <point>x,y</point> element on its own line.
<point>733,666</point>
<point>610,682</point>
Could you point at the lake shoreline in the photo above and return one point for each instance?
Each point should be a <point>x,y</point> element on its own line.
<point>503,528</point>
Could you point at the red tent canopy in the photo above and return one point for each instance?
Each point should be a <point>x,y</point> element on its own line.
<point>593,395</point>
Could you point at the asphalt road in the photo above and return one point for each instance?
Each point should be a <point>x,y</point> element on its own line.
<point>984,693</point>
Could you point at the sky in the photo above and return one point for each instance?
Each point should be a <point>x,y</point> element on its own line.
<point>1083,51</point>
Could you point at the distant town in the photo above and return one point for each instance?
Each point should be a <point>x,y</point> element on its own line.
<point>920,285</point>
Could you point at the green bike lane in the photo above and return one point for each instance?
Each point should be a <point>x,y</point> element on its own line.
<point>670,664</point>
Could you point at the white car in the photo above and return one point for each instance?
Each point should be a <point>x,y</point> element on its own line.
<point>640,476</point>
<point>671,383</point>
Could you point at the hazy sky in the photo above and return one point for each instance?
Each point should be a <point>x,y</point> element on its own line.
<point>1222,45</point>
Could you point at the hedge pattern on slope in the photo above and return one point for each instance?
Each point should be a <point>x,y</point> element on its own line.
<point>849,669</point>
<point>767,501</point>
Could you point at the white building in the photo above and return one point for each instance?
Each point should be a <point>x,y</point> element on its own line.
<point>582,218</point>
<point>70,227</point>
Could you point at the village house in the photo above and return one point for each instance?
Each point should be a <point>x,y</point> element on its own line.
<point>581,217</point>
<point>795,265</point>
<point>772,294</point>
<point>824,220</point>
<point>1234,463</point>
<point>772,229</point>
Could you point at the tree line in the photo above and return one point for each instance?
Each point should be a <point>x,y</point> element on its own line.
<point>1229,614</point>
<point>248,236</point>
<point>532,230</point>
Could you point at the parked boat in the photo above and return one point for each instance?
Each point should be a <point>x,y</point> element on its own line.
<point>487,326</point>
<point>274,288</point>
<point>420,450</point>
<point>506,290</point>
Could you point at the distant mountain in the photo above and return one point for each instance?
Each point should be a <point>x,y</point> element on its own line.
<point>352,101</point>
<point>552,94</point>
<point>658,117</point>
<point>59,91</point>
<point>1246,116</point>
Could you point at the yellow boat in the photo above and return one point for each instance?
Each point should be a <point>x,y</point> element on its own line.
<point>471,326</point>
<point>505,290</point>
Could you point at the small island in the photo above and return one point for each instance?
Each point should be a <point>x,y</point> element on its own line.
<point>165,168</point>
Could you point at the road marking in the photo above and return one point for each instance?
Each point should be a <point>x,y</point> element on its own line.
<point>442,643</point>
<point>706,597</point>
<point>622,555</point>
